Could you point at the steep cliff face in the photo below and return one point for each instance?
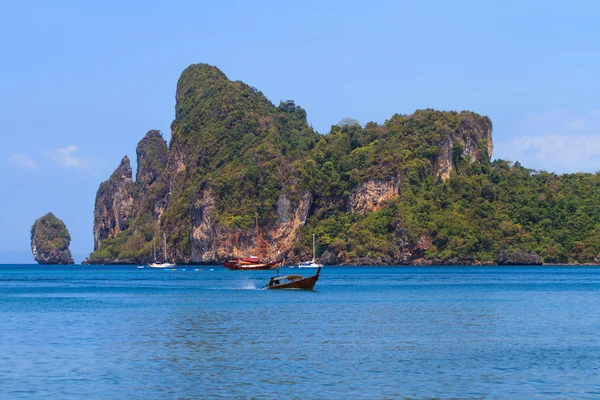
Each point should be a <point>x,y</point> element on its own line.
<point>206,233</point>
<point>152,155</point>
<point>472,141</point>
<point>114,203</point>
<point>370,194</point>
<point>291,216</point>
<point>211,241</point>
<point>127,214</point>
<point>229,159</point>
<point>50,241</point>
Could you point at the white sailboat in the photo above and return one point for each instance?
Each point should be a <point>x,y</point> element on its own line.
<point>313,263</point>
<point>164,264</point>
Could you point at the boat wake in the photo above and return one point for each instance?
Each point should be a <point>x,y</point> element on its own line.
<point>247,286</point>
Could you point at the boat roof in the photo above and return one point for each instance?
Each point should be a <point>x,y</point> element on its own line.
<point>278,278</point>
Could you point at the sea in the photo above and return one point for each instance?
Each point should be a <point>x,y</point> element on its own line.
<point>196,332</point>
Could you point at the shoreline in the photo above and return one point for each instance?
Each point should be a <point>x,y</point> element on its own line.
<point>325,266</point>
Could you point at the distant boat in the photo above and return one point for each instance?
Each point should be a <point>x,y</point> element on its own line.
<point>293,281</point>
<point>250,263</point>
<point>163,264</point>
<point>313,263</point>
<point>253,262</point>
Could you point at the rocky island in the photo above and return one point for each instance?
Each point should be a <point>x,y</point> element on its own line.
<point>418,189</point>
<point>50,241</point>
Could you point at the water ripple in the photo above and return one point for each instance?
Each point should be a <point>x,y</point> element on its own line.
<point>118,332</point>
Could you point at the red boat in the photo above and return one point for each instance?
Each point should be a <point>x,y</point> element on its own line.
<point>293,281</point>
<point>252,263</point>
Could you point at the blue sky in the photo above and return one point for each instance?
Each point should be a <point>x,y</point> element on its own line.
<point>82,82</point>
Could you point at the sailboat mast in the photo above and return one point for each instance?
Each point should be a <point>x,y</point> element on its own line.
<point>260,241</point>
<point>257,250</point>
<point>154,247</point>
<point>165,246</point>
<point>313,248</point>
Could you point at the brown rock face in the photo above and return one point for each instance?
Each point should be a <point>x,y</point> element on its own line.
<point>290,218</point>
<point>152,154</point>
<point>518,258</point>
<point>472,141</point>
<point>114,203</point>
<point>205,238</point>
<point>370,194</point>
<point>211,242</point>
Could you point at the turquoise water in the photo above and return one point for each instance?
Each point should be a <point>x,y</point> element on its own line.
<point>127,333</point>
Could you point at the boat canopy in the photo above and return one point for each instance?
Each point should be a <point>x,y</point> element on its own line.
<point>290,277</point>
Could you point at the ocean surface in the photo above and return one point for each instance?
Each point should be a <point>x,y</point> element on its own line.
<point>122,332</point>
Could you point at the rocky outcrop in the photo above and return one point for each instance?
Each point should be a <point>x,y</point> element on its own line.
<point>205,240</point>
<point>152,155</point>
<point>518,258</point>
<point>114,203</point>
<point>472,141</point>
<point>50,241</point>
<point>211,242</point>
<point>422,245</point>
<point>328,257</point>
<point>369,195</point>
<point>290,219</point>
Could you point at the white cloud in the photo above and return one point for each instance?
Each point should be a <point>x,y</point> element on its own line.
<point>557,141</point>
<point>22,161</point>
<point>65,157</point>
<point>555,153</point>
<point>577,124</point>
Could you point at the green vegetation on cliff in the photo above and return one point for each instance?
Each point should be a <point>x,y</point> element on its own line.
<point>238,142</point>
<point>471,217</point>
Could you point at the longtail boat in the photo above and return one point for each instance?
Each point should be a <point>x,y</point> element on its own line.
<point>293,281</point>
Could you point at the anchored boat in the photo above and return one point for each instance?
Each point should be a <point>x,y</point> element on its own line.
<point>250,263</point>
<point>253,262</point>
<point>313,263</point>
<point>164,264</point>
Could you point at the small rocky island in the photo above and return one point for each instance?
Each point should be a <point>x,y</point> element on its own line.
<point>50,241</point>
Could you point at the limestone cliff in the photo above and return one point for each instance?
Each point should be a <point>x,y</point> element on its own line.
<point>370,194</point>
<point>114,203</point>
<point>290,217</point>
<point>227,151</point>
<point>152,155</point>
<point>206,233</point>
<point>50,241</point>
<point>472,141</point>
<point>128,211</point>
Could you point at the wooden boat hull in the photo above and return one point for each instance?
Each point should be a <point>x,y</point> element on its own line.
<point>304,283</point>
<point>236,266</point>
